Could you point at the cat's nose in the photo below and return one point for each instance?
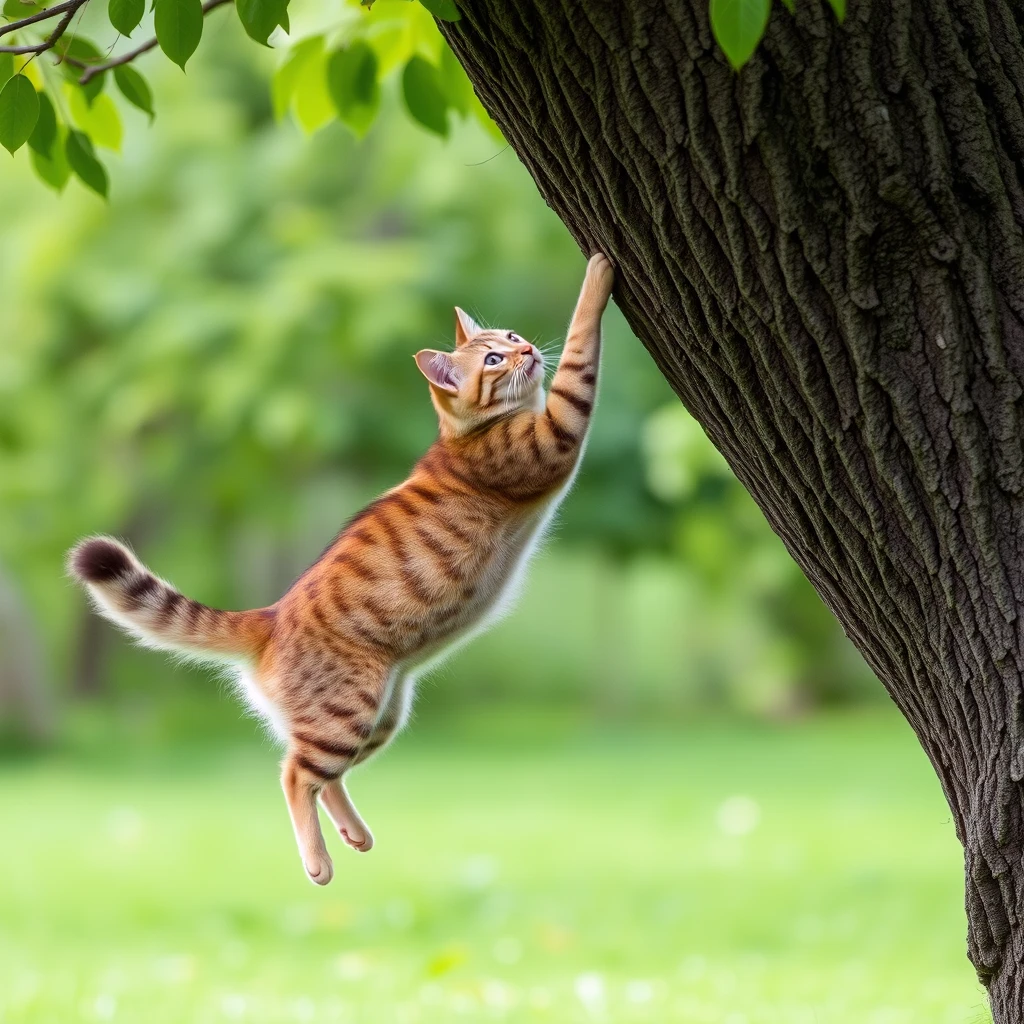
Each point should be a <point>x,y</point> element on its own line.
<point>528,350</point>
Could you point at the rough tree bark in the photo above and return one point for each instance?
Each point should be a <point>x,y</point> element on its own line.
<point>824,255</point>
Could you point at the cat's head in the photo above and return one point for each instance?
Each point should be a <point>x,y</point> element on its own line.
<point>491,373</point>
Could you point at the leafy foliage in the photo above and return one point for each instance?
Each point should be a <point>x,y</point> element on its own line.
<point>125,15</point>
<point>179,27</point>
<point>52,164</point>
<point>134,89</point>
<point>260,17</point>
<point>44,134</point>
<point>739,25</point>
<point>443,9</point>
<point>19,110</point>
<point>352,81</point>
<point>425,96</point>
<point>338,72</point>
<point>82,160</point>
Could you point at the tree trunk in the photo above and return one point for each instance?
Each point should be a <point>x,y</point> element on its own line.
<point>824,255</point>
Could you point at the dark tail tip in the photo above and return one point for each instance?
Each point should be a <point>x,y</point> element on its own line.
<point>100,561</point>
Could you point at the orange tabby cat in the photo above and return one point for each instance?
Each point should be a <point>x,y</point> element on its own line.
<point>332,664</point>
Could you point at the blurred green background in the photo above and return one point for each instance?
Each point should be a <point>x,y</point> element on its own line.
<point>686,799</point>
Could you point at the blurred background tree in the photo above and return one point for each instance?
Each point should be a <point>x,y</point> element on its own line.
<point>217,366</point>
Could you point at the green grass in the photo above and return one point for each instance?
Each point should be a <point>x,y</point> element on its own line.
<point>526,869</point>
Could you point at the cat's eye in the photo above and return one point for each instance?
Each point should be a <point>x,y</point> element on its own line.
<point>493,358</point>
<point>511,335</point>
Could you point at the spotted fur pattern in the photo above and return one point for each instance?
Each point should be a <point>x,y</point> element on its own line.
<point>426,565</point>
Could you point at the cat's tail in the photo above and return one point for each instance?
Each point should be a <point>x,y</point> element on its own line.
<point>156,614</point>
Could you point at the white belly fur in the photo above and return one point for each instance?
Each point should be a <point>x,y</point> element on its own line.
<point>506,591</point>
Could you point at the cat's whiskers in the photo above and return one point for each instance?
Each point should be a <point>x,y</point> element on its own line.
<point>509,393</point>
<point>516,386</point>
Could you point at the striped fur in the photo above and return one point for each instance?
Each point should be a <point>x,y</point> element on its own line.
<point>157,615</point>
<point>332,665</point>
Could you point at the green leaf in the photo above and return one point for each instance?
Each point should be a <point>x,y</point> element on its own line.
<point>125,15</point>
<point>99,120</point>
<point>15,10</point>
<point>839,6</point>
<point>94,87</point>
<point>352,83</point>
<point>282,85</point>
<point>456,84</point>
<point>425,96</point>
<point>738,26</point>
<point>45,132</point>
<point>134,88</point>
<point>179,27</point>
<point>6,68</point>
<point>53,167</point>
<point>312,102</point>
<point>790,5</point>
<point>19,110</point>
<point>260,17</point>
<point>80,49</point>
<point>443,9</point>
<point>83,162</point>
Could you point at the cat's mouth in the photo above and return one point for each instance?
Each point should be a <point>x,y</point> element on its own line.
<point>534,366</point>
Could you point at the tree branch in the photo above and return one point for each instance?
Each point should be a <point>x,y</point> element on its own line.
<point>50,12</point>
<point>70,9</point>
<point>92,70</point>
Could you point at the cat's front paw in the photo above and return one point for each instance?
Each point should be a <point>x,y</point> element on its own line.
<point>320,870</point>
<point>600,278</point>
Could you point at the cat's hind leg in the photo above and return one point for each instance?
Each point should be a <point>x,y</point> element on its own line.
<point>392,719</point>
<point>324,741</point>
<point>301,780</point>
<point>338,805</point>
<point>334,796</point>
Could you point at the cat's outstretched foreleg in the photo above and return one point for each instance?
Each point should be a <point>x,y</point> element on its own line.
<point>563,424</point>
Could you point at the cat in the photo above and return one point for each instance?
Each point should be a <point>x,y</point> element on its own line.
<point>431,562</point>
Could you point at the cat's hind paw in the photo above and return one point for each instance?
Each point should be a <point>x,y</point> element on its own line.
<point>347,821</point>
<point>360,840</point>
<point>320,871</point>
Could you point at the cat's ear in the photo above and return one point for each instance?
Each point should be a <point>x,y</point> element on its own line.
<point>465,327</point>
<point>439,369</point>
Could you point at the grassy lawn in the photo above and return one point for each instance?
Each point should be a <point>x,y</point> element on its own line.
<point>527,869</point>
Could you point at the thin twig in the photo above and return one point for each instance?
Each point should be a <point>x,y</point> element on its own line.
<point>92,70</point>
<point>50,41</point>
<point>50,12</point>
